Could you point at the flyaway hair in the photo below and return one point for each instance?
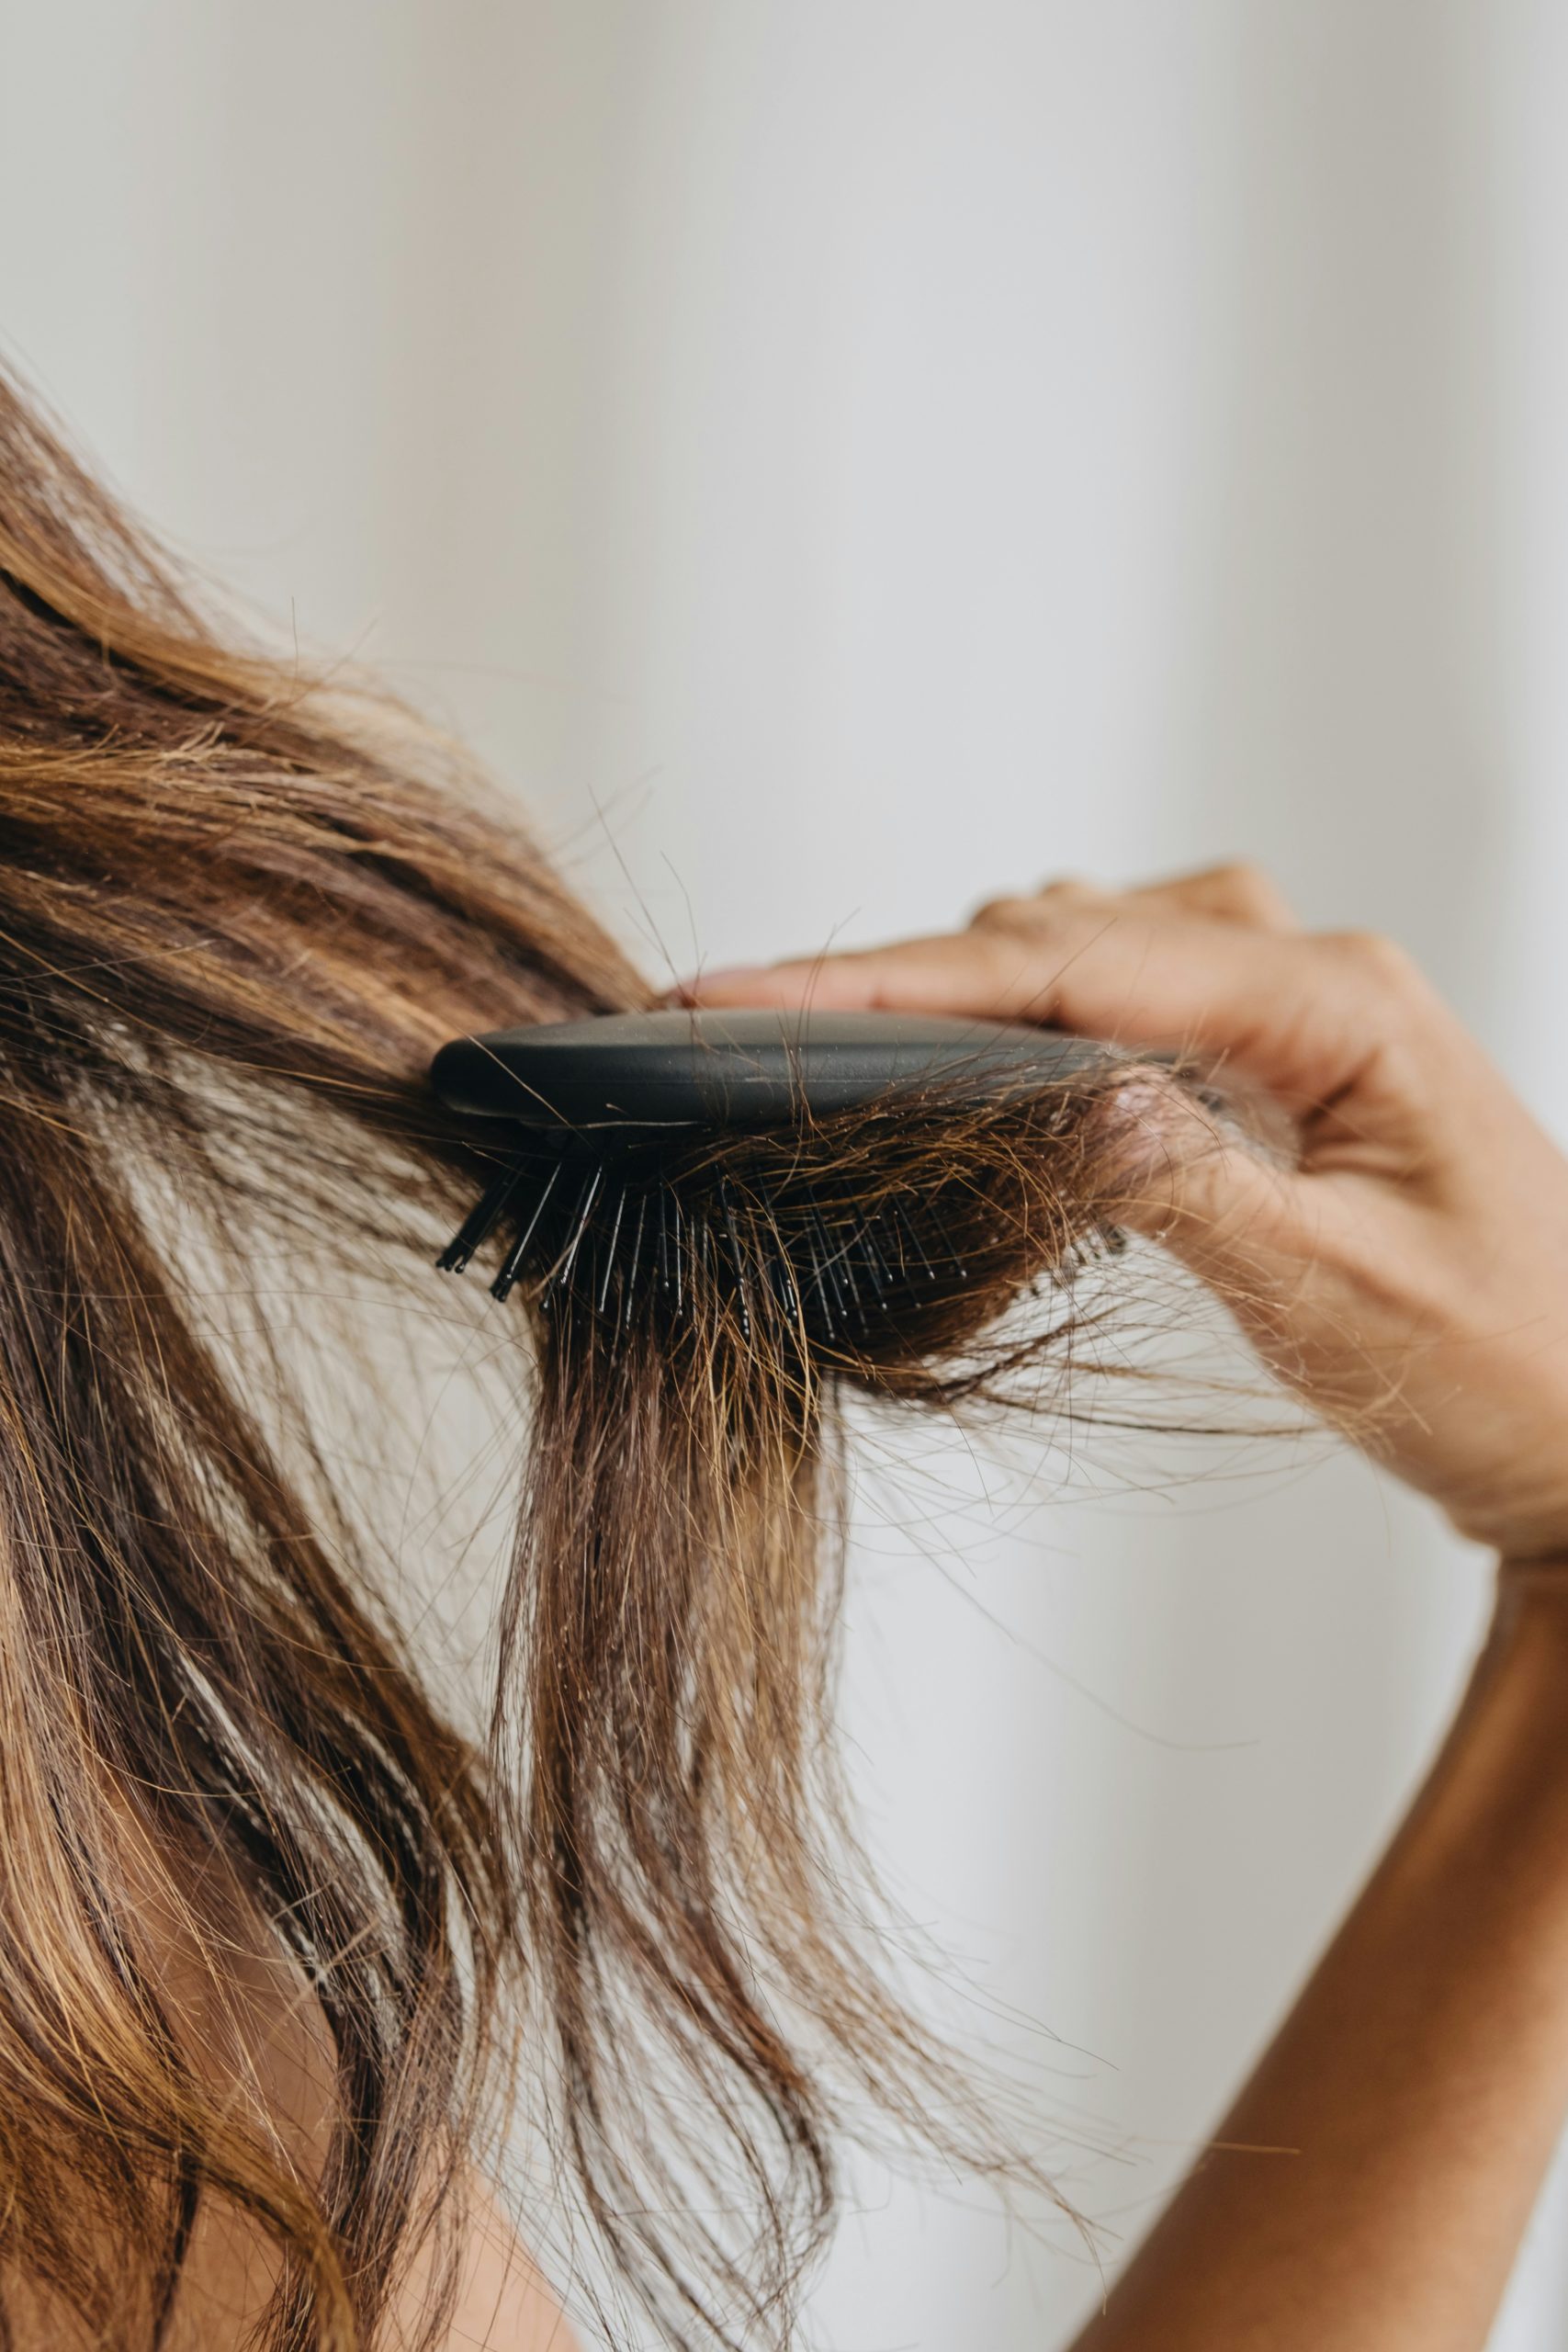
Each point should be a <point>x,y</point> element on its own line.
<point>239,910</point>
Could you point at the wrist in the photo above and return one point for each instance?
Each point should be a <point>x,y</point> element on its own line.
<point>1531,1598</point>
<point>1515,1708</point>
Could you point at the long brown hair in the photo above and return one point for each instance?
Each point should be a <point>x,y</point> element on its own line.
<point>239,907</point>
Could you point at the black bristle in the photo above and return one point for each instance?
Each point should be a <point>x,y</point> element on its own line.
<point>781,1274</point>
<point>844,1265</point>
<point>610,1252</point>
<point>906,1225</point>
<point>512,1264</point>
<point>954,1259</point>
<point>815,1262</point>
<point>738,1256</point>
<point>628,1286</point>
<point>829,1264</point>
<point>819,1281</point>
<point>559,1274</point>
<point>483,1219</point>
<point>875,1266</point>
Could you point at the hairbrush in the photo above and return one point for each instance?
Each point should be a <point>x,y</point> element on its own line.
<point>663,1158</point>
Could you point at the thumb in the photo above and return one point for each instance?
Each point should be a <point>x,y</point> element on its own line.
<point>1223,1201</point>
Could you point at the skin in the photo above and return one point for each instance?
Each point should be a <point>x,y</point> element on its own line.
<point>253,2025</point>
<point>1403,1268</point>
<point>262,2034</point>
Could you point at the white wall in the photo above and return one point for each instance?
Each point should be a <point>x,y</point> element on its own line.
<point>841,457</point>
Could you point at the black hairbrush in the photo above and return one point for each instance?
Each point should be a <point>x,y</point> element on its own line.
<point>622,1179</point>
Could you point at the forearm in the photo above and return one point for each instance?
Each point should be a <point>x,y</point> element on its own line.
<point>1371,2184</point>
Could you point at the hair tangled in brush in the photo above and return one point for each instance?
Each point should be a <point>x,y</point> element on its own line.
<point>670,1643</point>
<point>238,911</point>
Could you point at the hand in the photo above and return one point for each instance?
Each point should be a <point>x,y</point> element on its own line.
<point>1408,1274</point>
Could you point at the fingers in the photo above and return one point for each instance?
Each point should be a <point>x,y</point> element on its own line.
<point>1286,1254</point>
<point>1185,1179</point>
<point>1300,1016</point>
<point>1235,892</point>
<point>1210,965</point>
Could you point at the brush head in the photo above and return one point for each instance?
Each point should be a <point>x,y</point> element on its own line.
<point>736,1069</point>
<point>769,1167</point>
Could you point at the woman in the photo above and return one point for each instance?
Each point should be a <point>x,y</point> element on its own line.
<point>269,1921</point>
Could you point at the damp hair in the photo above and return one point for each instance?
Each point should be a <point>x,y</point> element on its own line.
<point>240,907</point>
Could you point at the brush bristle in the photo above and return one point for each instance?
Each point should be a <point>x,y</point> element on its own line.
<point>817,1232</point>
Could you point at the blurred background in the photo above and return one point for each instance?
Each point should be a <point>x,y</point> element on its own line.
<point>841,458</point>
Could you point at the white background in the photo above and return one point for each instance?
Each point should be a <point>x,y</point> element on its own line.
<point>841,458</point>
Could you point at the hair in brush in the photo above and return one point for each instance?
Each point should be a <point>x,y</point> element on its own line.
<point>237,913</point>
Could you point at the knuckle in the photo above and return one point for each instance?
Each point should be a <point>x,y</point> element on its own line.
<point>1244,880</point>
<point>1248,892</point>
<point>1375,956</point>
<point>1006,914</point>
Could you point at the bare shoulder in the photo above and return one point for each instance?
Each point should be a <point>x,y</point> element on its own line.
<point>246,2017</point>
<point>503,2304</point>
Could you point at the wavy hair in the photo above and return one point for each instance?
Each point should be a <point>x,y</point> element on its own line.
<point>239,907</point>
